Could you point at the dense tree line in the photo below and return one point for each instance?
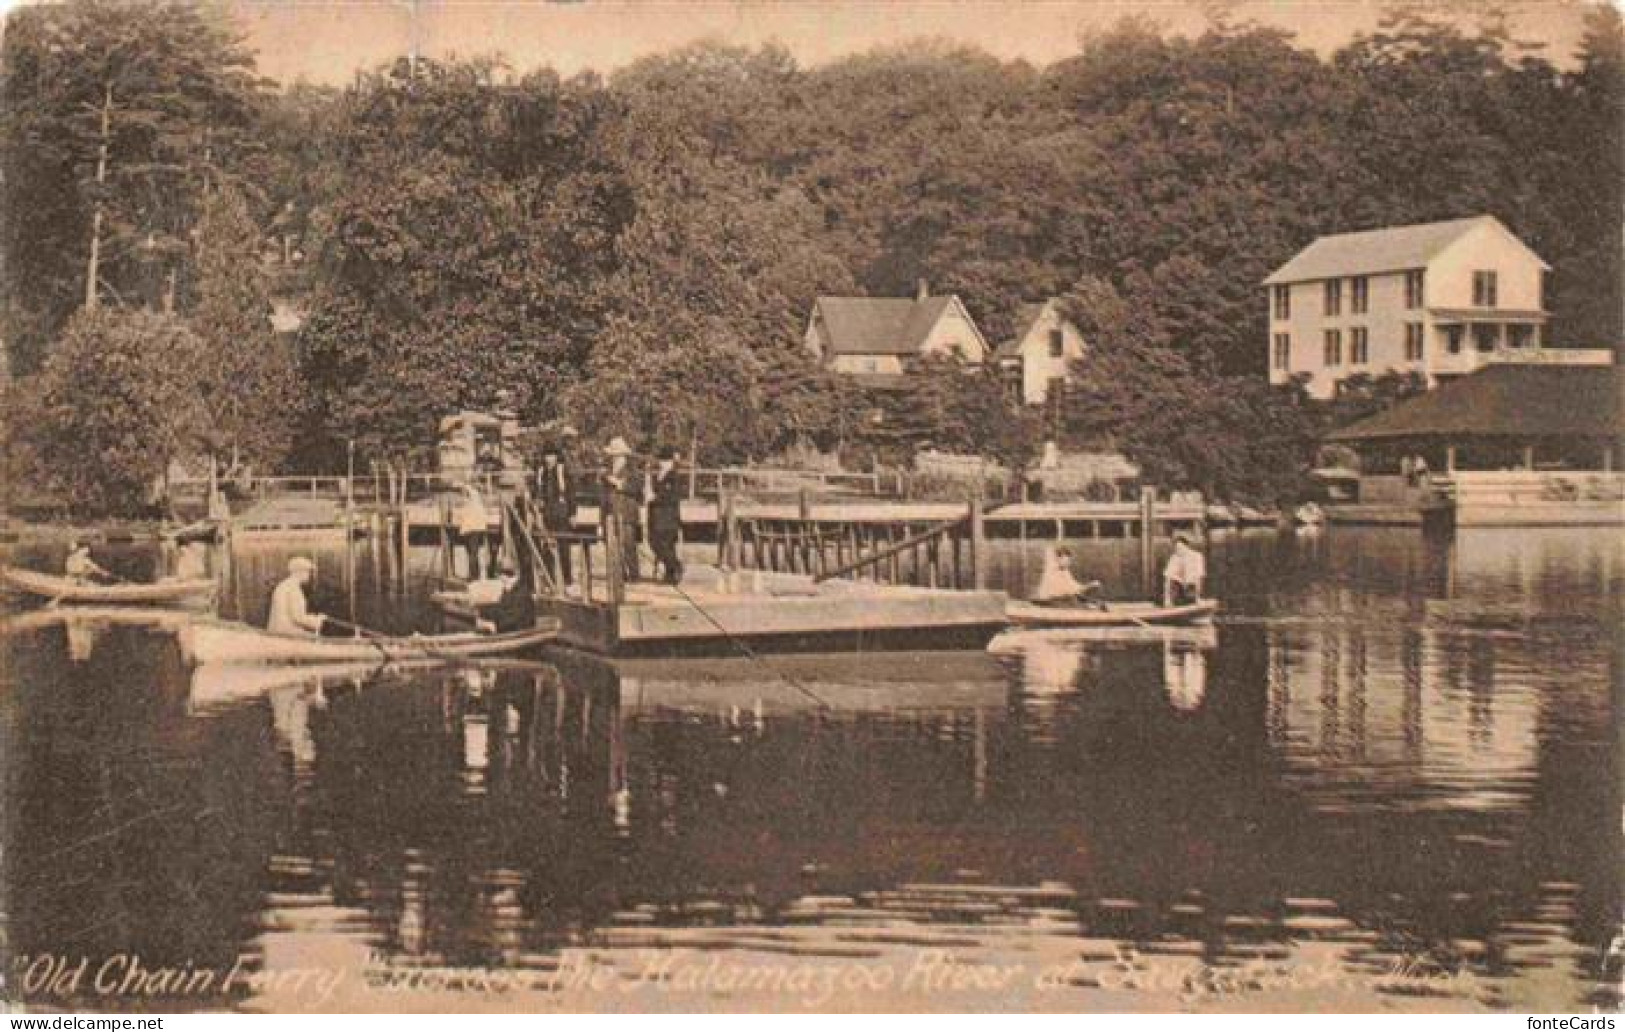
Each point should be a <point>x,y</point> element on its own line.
<point>637,255</point>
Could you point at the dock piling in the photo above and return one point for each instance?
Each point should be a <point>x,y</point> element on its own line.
<point>1148,526</point>
<point>978,545</point>
<point>613,555</point>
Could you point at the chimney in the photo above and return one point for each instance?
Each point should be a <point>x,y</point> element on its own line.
<point>922,289</point>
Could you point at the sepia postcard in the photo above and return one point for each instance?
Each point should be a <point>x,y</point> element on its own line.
<point>781,506</point>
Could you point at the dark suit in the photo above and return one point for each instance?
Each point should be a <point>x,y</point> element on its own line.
<point>556,491</point>
<point>666,522</point>
<point>623,495</point>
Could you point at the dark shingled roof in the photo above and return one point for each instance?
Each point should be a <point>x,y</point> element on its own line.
<point>1507,400</point>
<point>880,325</point>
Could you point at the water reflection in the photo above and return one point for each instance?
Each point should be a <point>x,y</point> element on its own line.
<point>1391,781</point>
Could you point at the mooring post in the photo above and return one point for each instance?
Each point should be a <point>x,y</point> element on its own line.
<point>978,545</point>
<point>1148,526</point>
<point>614,572</point>
<point>448,566</point>
<point>725,528</point>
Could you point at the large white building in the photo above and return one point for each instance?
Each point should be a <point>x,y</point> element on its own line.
<point>1441,299</point>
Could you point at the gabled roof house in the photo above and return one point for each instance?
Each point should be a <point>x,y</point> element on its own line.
<point>1040,352</point>
<point>878,338</point>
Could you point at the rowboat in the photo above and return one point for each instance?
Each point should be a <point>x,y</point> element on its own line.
<point>205,641</point>
<point>65,589</point>
<point>1112,614</point>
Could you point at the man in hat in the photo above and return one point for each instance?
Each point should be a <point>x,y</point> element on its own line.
<point>666,515</point>
<point>556,488</point>
<point>289,614</point>
<point>1183,576</point>
<point>623,498</point>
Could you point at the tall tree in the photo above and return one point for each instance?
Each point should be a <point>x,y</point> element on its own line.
<point>113,116</point>
<point>247,381</point>
<point>116,401</point>
<point>464,257</point>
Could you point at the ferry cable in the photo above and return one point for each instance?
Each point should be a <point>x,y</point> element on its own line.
<point>747,651</point>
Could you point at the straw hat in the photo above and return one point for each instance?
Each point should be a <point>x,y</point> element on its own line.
<point>617,446</point>
<point>298,563</point>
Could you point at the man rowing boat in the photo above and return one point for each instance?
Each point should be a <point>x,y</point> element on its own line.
<point>289,613</point>
<point>79,566</point>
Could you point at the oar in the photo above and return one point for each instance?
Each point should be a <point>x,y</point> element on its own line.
<point>361,631</point>
<point>373,636</point>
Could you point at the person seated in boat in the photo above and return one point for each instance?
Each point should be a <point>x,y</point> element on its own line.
<point>79,566</point>
<point>1183,576</point>
<point>514,610</point>
<point>289,613</point>
<point>1058,587</point>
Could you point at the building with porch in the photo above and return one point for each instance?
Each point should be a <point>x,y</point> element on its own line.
<point>1509,445</point>
<point>1442,299</point>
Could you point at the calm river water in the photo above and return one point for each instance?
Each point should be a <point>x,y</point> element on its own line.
<point>1388,779</point>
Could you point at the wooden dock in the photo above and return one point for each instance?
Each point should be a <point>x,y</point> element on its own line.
<point>743,611</point>
<point>702,518</point>
<point>781,583</point>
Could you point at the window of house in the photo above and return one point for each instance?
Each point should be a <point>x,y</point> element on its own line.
<point>1332,352</point>
<point>1283,301</point>
<point>1057,344</point>
<point>1486,336</point>
<point>1484,289</point>
<point>1359,346</point>
<point>1413,288</point>
<point>1283,351</point>
<point>1334,297</point>
<point>1452,339</point>
<point>1413,342</point>
<point>1359,294</point>
<point>1520,336</point>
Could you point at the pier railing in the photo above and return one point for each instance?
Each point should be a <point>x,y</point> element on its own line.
<point>945,554</point>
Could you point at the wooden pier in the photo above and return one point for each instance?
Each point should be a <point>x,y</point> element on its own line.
<point>777,590</point>
<point>703,518</point>
<point>745,611</point>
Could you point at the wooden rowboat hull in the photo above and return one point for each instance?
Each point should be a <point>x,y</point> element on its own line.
<point>62,589</point>
<point>215,641</point>
<point>1116,614</point>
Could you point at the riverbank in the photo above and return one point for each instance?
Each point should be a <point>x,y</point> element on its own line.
<point>110,531</point>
